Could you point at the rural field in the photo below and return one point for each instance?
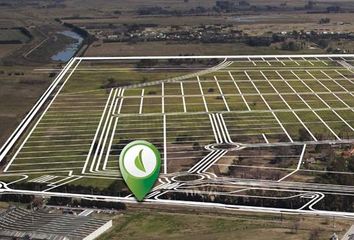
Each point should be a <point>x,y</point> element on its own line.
<point>139,225</point>
<point>171,49</point>
<point>280,123</point>
<point>250,104</point>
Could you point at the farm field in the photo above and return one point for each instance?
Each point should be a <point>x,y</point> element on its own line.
<point>13,35</point>
<point>244,130</point>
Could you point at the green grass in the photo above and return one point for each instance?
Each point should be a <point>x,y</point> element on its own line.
<point>172,89</point>
<point>256,103</point>
<point>159,225</point>
<point>193,128</point>
<point>291,124</point>
<point>96,80</point>
<point>13,35</point>
<point>173,104</point>
<point>275,102</point>
<point>236,103</point>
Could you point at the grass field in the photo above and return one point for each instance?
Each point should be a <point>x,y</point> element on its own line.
<point>280,96</point>
<point>13,35</point>
<point>160,225</point>
<point>161,48</point>
<point>248,118</point>
<point>18,93</point>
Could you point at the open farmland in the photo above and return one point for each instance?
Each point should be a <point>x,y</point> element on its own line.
<point>13,35</point>
<point>243,132</point>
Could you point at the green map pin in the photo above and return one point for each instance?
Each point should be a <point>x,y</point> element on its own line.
<point>139,164</point>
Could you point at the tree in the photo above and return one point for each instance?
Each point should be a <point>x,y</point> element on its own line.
<point>259,41</point>
<point>291,46</point>
<point>323,43</point>
<point>329,50</point>
<point>210,90</point>
<point>37,202</point>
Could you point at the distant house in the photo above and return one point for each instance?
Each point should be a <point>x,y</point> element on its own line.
<point>112,37</point>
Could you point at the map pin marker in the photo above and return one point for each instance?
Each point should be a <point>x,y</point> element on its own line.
<point>139,164</point>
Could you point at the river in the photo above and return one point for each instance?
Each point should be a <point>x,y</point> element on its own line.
<point>70,49</point>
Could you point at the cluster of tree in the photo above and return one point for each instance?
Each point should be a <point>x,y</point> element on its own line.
<point>189,61</point>
<point>59,201</point>
<point>323,43</point>
<point>292,45</point>
<point>291,41</point>
<point>117,188</point>
<point>312,7</point>
<point>296,40</point>
<point>225,5</point>
<point>281,151</point>
<point>335,162</point>
<point>292,203</point>
<point>30,186</point>
<point>264,41</point>
<point>102,204</point>
<point>21,198</point>
<point>242,5</point>
<point>67,201</point>
<point>335,202</point>
<point>256,41</point>
<point>230,6</point>
<point>338,164</point>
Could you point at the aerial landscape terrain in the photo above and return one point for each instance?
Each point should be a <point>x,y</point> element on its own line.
<point>250,103</point>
